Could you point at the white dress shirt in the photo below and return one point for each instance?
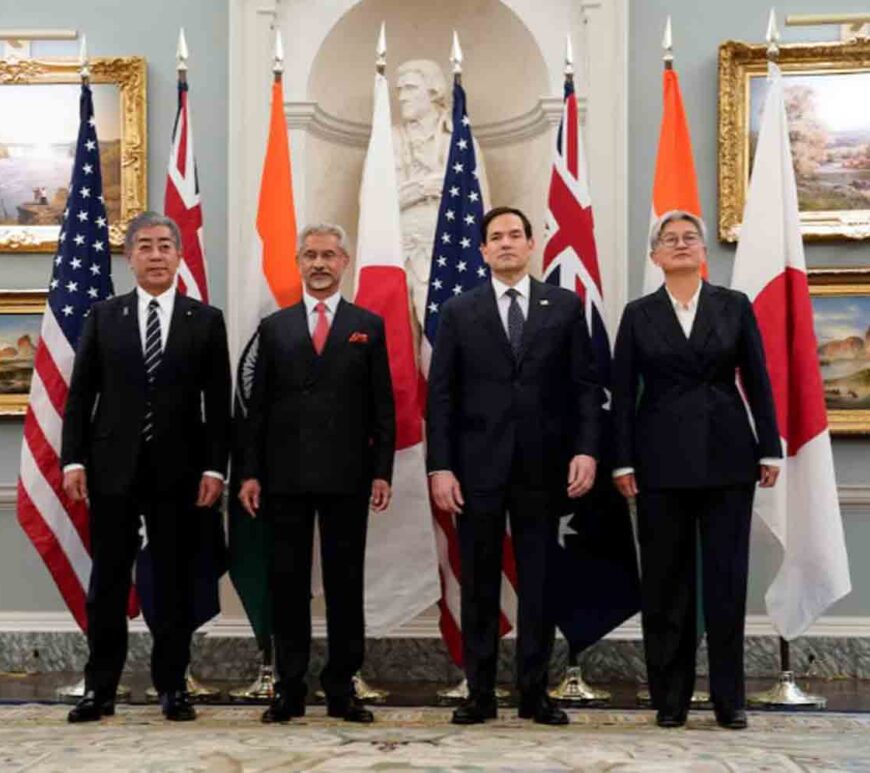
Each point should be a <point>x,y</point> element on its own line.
<point>686,313</point>
<point>311,309</point>
<point>503,299</point>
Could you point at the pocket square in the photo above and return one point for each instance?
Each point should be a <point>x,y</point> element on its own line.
<point>358,338</point>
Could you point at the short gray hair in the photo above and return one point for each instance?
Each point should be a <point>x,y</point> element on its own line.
<point>671,216</point>
<point>150,220</point>
<point>323,229</point>
<point>432,75</point>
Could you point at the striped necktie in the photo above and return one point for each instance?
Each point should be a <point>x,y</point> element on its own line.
<point>153,355</point>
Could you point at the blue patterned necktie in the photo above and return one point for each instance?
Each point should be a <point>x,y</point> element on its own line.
<point>515,322</point>
<point>153,355</point>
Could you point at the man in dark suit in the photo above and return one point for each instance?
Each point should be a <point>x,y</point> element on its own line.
<point>686,449</point>
<point>513,424</point>
<point>146,433</point>
<point>319,441</point>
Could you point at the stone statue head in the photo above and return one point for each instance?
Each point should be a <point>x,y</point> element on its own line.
<point>421,87</point>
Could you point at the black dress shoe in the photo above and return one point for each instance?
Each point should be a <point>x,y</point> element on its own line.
<point>350,710</point>
<point>283,709</point>
<point>475,711</point>
<point>177,706</point>
<point>669,720</point>
<point>732,720</point>
<point>541,709</point>
<point>89,709</point>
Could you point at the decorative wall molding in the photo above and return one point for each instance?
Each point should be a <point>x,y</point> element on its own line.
<point>310,117</point>
<point>837,627</point>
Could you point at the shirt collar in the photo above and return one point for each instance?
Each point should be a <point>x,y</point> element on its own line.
<point>692,304</point>
<point>311,302</point>
<point>522,287</point>
<point>165,299</point>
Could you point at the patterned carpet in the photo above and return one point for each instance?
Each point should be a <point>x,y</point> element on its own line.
<point>37,739</point>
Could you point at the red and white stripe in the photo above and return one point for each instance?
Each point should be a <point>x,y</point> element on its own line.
<point>57,526</point>
<point>802,511</point>
<point>182,204</point>
<point>401,578</point>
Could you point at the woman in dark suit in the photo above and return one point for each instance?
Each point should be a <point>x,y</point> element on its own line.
<point>686,449</point>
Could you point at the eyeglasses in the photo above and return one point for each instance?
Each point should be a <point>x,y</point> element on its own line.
<point>671,241</point>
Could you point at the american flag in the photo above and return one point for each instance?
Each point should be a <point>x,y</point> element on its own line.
<point>594,567</point>
<point>181,202</point>
<point>457,266</point>
<point>80,277</point>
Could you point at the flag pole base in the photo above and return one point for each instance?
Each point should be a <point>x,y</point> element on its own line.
<point>199,693</point>
<point>459,692</point>
<point>362,691</point>
<point>786,694</point>
<point>699,698</point>
<point>261,690</point>
<point>573,690</point>
<point>71,693</point>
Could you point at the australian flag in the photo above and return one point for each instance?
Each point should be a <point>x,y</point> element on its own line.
<point>595,565</point>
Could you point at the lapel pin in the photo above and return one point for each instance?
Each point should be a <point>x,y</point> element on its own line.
<point>545,302</point>
<point>189,313</point>
<point>126,310</point>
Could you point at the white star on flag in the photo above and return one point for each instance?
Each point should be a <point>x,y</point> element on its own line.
<point>457,289</point>
<point>462,144</point>
<point>79,240</point>
<point>465,242</point>
<point>91,145</point>
<point>461,266</point>
<point>454,191</point>
<point>76,263</point>
<point>458,168</point>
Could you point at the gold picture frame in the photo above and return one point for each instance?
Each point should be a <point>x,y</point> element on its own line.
<point>21,314</point>
<point>119,85</point>
<point>841,318</point>
<point>833,178</point>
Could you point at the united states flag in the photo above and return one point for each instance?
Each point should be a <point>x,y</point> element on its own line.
<point>593,567</point>
<point>182,202</point>
<point>81,276</point>
<point>457,266</point>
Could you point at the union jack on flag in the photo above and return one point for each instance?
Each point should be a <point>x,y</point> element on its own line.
<point>81,276</point>
<point>570,255</point>
<point>182,202</point>
<point>457,266</point>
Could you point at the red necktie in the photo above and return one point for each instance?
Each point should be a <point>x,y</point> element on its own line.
<point>321,329</point>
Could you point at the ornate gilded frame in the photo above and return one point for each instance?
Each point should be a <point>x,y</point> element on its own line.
<point>129,74</point>
<point>836,281</point>
<point>738,62</point>
<point>20,302</point>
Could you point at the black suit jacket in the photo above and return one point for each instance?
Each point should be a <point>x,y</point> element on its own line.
<point>491,415</point>
<point>102,426</point>
<point>678,415</point>
<point>320,424</point>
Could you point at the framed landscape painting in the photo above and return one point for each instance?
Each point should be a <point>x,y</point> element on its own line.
<point>826,89</point>
<point>39,121</point>
<point>841,315</point>
<point>20,323</point>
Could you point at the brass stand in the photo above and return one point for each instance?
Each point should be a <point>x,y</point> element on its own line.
<point>459,692</point>
<point>72,692</point>
<point>362,691</point>
<point>199,693</point>
<point>574,691</point>
<point>785,694</point>
<point>699,698</point>
<point>261,690</point>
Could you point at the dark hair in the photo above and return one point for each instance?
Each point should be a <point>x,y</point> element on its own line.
<point>498,212</point>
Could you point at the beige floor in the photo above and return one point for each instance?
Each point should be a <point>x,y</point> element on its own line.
<point>37,739</point>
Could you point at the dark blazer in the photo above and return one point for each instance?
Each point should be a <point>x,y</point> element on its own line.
<point>689,427</point>
<point>490,414</point>
<point>102,426</point>
<point>320,424</point>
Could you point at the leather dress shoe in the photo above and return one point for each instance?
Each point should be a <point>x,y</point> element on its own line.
<point>669,720</point>
<point>475,711</point>
<point>541,709</point>
<point>177,706</point>
<point>350,710</point>
<point>732,720</point>
<point>283,709</point>
<point>89,709</point>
